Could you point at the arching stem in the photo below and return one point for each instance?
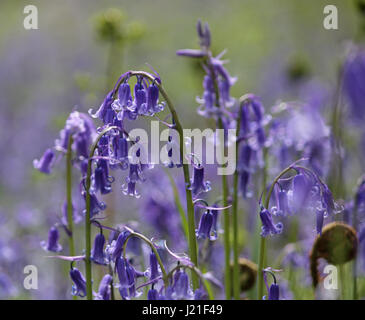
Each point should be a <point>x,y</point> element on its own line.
<point>193,251</point>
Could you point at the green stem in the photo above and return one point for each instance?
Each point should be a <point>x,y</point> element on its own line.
<point>226,223</point>
<point>260,284</point>
<point>193,250</point>
<point>225,193</point>
<point>87,216</point>
<point>69,195</point>
<point>180,209</point>
<point>236,282</point>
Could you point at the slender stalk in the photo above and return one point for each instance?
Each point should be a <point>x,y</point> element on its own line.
<point>193,251</point>
<point>69,196</point>
<point>225,194</point>
<point>236,282</point>
<point>180,209</point>
<point>260,284</point>
<point>87,216</point>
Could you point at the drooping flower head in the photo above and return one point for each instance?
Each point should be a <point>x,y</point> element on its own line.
<point>79,287</point>
<point>52,243</point>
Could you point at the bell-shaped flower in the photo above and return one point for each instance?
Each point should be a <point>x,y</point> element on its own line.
<point>45,163</point>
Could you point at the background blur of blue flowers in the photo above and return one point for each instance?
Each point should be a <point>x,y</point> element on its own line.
<point>278,49</point>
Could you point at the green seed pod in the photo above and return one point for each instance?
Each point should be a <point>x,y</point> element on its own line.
<point>337,245</point>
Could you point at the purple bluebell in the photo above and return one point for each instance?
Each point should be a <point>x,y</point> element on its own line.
<point>120,267</point>
<point>127,278</point>
<point>274,292</point>
<point>97,253</point>
<point>152,100</point>
<point>104,292</point>
<point>45,163</point>
<point>301,190</point>
<point>181,288</point>
<point>124,95</point>
<point>101,181</point>
<point>354,83</point>
<point>152,294</point>
<point>327,200</point>
<point>95,205</point>
<point>268,225</point>
<point>140,97</point>
<point>283,208</point>
<point>120,146</point>
<point>135,173</point>
<point>204,34</point>
<point>105,112</point>
<point>360,193</point>
<point>257,109</point>
<point>200,294</point>
<point>205,226</point>
<point>52,244</point>
<point>130,189</point>
<point>79,287</point>
<point>260,136</point>
<point>117,246</point>
<point>154,273</point>
<point>198,185</point>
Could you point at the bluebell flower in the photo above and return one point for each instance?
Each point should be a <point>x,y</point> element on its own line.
<point>204,34</point>
<point>327,200</point>
<point>152,100</point>
<point>117,246</point>
<point>200,294</point>
<point>181,288</point>
<point>95,205</point>
<point>45,163</point>
<point>282,208</point>
<point>52,244</point>
<point>104,292</point>
<point>354,83</point>
<point>130,190</point>
<point>120,267</point>
<point>154,270</point>
<point>360,193</point>
<point>97,254</point>
<point>140,97</point>
<point>124,95</point>
<point>205,226</point>
<point>152,294</point>
<point>101,180</point>
<point>268,225</point>
<point>127,278</point>
<point>301,190</point>
<point>120,146</point>
<point>198,185</point>
<point>274,292</point>
<point>79,287</point>
<point>105,112</point>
